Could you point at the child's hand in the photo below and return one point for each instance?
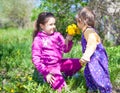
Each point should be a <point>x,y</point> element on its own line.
<point>50,78</point>
<point>83,62</point>
<point>69,37</point>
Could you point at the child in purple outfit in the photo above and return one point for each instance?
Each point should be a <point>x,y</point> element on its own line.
<point>47,50</point>
<point>94,56</point>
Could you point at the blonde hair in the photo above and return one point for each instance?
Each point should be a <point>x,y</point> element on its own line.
<point>87,16</point>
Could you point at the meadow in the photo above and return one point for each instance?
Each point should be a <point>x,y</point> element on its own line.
<point>18,75</point>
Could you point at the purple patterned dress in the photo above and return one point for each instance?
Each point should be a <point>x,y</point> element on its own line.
<point>96,70</point>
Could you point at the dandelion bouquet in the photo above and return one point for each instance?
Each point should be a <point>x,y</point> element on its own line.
<point>72,29</point>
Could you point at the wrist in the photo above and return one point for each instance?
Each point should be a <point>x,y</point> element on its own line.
<point>69,38</point>
<point>50,74</point>
<point>83,62</point>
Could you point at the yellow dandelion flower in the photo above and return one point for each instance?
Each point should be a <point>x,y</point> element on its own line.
<point>71,32</point>
<point>29,78</point>
<point>74,26</point>
<point>0,88</point>
<point>77,31</point>
<point>12,90</point>
<point>72,29</point>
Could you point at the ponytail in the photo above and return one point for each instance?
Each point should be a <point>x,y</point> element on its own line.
<point>36,28</point>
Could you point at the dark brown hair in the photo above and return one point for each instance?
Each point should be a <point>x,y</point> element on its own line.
<point>87,16</point>
<point>42,19</point>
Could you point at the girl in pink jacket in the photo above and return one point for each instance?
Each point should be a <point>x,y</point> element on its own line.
<point>47,50</point>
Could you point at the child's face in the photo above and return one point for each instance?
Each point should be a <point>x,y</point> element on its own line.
<point>49,26</point>
<point>80,23</point>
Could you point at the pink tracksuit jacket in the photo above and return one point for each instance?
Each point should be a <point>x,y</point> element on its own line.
<point>48,50</point>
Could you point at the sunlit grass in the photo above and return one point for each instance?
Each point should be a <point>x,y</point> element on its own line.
<point>17,73</point>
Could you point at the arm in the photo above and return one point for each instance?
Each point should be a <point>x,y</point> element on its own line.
<point>36,55</point>
<point>92,40</point>
<point>67,43</point>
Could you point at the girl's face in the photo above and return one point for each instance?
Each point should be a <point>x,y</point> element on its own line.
<point>79,23</point>
<point>49,27</point>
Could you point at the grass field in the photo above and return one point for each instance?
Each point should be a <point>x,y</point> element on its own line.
<point>18,75</point>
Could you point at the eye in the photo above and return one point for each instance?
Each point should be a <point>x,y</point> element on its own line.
<point>51,24</point>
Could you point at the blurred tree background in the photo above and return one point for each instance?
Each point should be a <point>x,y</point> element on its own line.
<point>22,13</point>
<point>108,19</point>
<point>15,13</point>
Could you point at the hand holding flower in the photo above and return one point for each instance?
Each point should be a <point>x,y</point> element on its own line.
<point>72,30</point>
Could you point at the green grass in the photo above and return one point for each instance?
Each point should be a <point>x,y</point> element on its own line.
<point>18,75</point>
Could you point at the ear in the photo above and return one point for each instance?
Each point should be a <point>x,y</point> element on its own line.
<point>86,21</point>
<point>79,20</point>
<point>41,26</point>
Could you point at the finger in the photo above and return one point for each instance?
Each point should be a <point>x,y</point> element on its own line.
<point>53,79</point>
<point>48,81</point>
<point>82,63</point>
